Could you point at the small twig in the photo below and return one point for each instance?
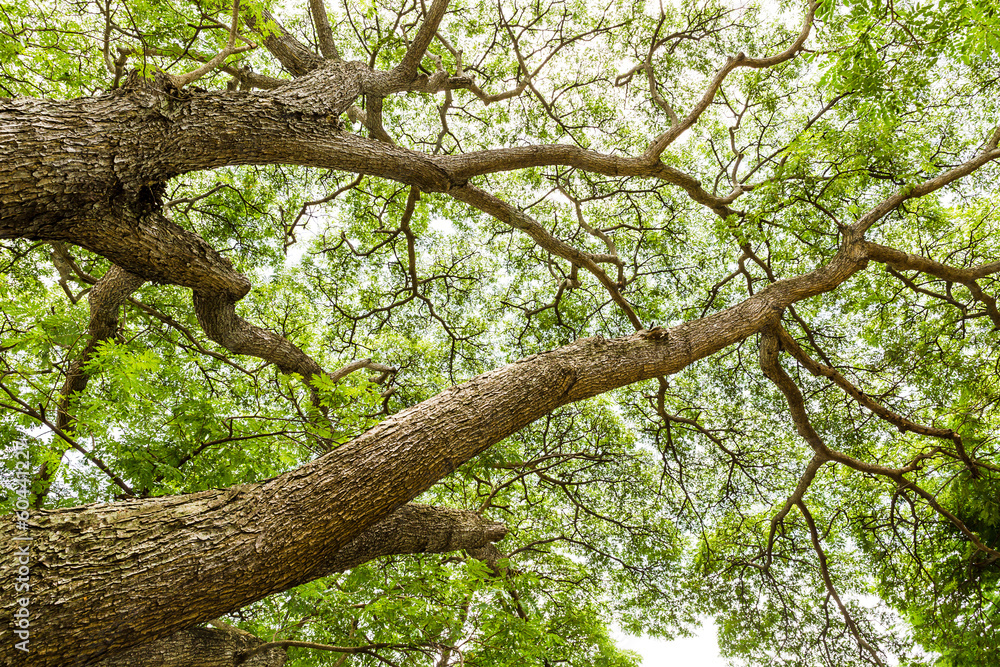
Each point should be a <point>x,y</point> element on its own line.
<point>39,415</point>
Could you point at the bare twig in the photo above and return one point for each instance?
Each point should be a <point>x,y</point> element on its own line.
<point>831,589</point>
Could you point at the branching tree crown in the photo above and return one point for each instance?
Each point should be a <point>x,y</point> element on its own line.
<point>670,311</point>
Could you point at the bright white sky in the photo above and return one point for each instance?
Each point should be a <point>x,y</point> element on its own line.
<point>701,650</point>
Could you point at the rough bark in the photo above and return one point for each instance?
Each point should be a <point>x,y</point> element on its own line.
<point>409,530</point>
<point>199,647</point>
<point>226,548</point>
<point>91,171</point>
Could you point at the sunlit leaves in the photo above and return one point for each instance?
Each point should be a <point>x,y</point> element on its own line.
<point>653,505</point>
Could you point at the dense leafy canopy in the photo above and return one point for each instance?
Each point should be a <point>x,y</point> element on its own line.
<point>648,508</point>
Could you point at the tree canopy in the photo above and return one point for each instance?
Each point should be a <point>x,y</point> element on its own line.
<point>698,299</point>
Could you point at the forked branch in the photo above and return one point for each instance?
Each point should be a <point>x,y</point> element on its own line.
<point>509,215</point>
<point>769,351</point>
<point>904,261</point>
<point>790,345</point>
<point>831,589</point>
<point>660,144</point>
<point>230,49</point>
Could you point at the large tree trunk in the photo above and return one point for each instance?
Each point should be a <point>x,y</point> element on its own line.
<point>411,529</point>
<point>141,570</point>
<point>198,647</point>
<point>109,577</point>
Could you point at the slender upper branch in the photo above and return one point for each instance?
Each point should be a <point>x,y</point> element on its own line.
<point>990,152</point>
<point>769,351</point>
<point>831,589</point>
<point>406,70</point>
<point>805,480</point>
<point>897,420</point>
<point>519,220</point>
<point>659,144</point>
<point>230,49</point>
<point>324,33</point>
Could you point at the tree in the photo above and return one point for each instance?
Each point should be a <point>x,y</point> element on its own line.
<point>713,333</point>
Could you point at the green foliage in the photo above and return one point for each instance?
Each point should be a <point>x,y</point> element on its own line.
<point>647,508</point>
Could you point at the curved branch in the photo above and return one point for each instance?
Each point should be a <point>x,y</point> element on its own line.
<point>904,261</point>
<point>511,216</point>
<point>347,369</point>
<point>769,350</point>
<point>660,144</point>
<point>831,589</point>
<point>806,479</point>
<point>937,507</point>
<point>218,319</point>
<point>772,369</point>
<point>293,55</point>
<point>790,345</point>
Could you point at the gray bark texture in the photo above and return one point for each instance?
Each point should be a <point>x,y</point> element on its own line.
<point>412,529</point>
<point>199,647</point>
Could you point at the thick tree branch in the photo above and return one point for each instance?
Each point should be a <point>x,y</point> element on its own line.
<point>770,348</point>
<point>102,188</point>
<point>218,319</point>
<point>307,515</point>
<point>201,647</point>
<point>406,71</point>
<point>412,529</point>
